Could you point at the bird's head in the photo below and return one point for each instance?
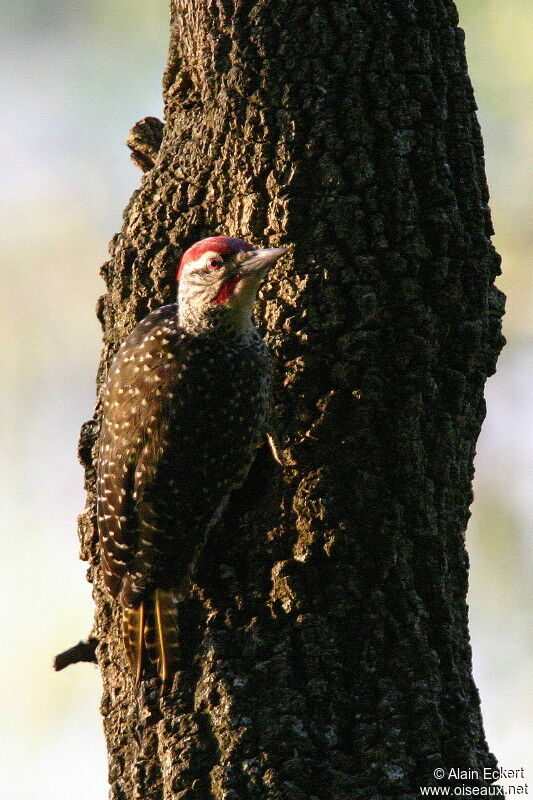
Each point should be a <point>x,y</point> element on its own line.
<point>218,279</point>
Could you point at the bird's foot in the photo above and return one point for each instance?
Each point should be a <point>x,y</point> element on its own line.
<point>279,455</point>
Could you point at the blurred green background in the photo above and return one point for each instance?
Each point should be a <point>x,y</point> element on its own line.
<point>75,76</point>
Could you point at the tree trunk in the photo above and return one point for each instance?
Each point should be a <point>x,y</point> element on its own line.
<point>325,647</point>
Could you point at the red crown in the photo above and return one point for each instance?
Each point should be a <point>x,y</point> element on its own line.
<point>225,245</point>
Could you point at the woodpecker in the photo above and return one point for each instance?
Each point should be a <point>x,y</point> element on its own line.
<point>184,408</point>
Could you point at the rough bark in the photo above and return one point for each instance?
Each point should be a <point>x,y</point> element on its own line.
<point>325,642</point>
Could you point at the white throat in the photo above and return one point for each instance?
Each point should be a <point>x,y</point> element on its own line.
<point>231,319</point>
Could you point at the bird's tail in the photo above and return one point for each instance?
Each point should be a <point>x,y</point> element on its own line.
<point>151,635</point>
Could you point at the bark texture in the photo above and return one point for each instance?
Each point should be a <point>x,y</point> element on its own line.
<point>325,643</point>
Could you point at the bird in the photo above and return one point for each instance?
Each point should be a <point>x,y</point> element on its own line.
<point>186,404</point>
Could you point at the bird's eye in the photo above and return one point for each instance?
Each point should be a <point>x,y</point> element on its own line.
<point>214,263</point>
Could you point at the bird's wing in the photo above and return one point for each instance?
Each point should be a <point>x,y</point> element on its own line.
<point>135,393</point>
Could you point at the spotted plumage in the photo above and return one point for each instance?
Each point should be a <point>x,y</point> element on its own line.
<point>185,406</point>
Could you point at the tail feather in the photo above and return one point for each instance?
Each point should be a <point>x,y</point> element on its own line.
<point>151,635</point>
<point>134,638</point>
<point>166,619</point>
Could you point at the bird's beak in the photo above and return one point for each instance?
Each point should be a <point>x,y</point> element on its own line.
<point>257,262</point>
